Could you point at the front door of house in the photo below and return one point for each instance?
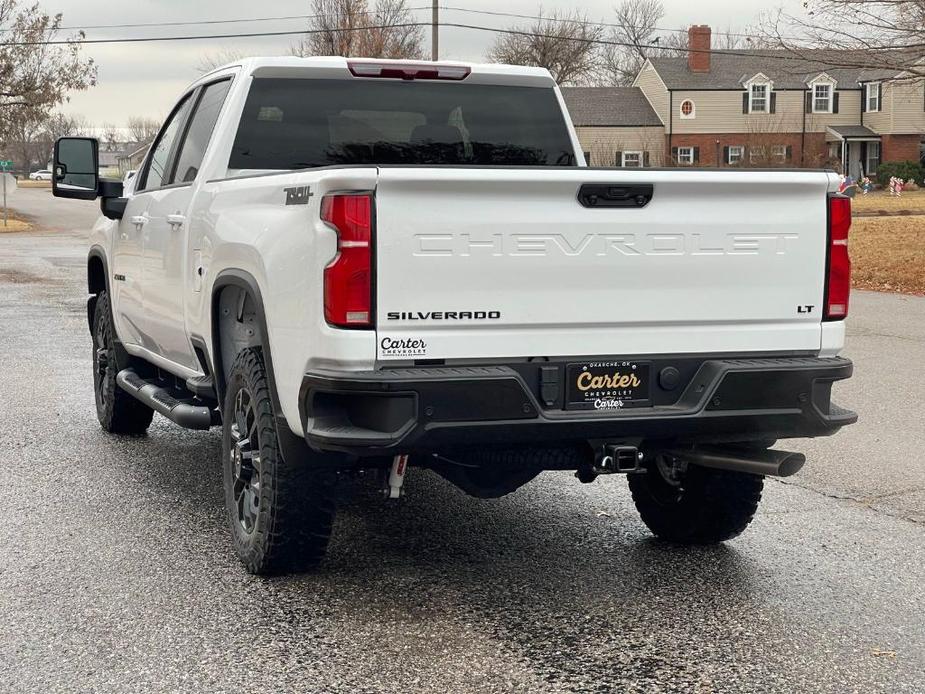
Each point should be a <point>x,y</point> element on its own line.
<point>854,167</point>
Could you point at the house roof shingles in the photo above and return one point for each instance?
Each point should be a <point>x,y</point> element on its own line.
<point>785,70</point>
<point>850,131</point>
<point>609,107</point>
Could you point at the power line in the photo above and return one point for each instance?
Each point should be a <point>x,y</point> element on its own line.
<point>585,22</point>
<point>744,53</point>
<point>305,17</point>
<point>202,37</point>
<point>458,25</point>
<point>192,22</point>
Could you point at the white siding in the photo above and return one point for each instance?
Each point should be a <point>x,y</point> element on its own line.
<point>721,112</point>
<point>604,143</point>
<point>908,105</point>
<point>902,111</point>
<point>882,121</point>
<point>654,90</point>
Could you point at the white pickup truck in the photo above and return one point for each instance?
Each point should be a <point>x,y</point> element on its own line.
<point>357,264</point>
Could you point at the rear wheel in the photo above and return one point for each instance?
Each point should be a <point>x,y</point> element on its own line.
<point>699,506</point>
<point>280,513</point>
<point>118,412</point>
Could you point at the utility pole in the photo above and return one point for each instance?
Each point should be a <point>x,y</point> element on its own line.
<point>435,31</point>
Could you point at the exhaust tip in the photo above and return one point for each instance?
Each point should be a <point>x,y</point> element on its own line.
<point>791,464</point>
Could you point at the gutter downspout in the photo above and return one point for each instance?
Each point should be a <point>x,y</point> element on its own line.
<point>670,121</point>
<point>803,136</point>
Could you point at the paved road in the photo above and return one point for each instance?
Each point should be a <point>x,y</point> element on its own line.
<point>116,572</point>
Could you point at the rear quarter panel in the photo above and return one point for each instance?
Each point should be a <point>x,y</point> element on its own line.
<point>244,224</point>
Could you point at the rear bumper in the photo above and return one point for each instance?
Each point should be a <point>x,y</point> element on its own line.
<point>426,409</point>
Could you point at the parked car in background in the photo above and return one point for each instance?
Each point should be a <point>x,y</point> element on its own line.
<point>42,175</point>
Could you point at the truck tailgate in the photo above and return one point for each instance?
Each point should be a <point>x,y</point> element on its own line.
<point>506,263</point>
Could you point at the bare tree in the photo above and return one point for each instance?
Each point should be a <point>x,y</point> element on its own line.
<point>109,135</point>
<point>633,36</point>
<point>566,44</point>
<point>886,35</point>
<point>25,144</point>
<point>61,125</point>
<point>143,130</point>
<point>351,28</point>
<point>35,76</point>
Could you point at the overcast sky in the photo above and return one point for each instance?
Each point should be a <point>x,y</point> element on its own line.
<point>146,78</point>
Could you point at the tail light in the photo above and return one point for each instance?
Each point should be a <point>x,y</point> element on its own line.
<point>838,278</point>
<point>348,278</point>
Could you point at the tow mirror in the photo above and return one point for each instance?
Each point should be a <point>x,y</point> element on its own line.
<point>76,168</point>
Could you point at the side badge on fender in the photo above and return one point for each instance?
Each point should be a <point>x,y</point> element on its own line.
<point>298,195</point>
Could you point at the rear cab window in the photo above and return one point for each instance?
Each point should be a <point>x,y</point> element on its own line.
<point>305,123</point>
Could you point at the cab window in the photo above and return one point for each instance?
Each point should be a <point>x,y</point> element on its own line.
<point>200,131</point>
<point>155,173</point>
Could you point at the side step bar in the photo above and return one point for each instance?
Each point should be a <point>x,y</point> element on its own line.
<point>162,399</point>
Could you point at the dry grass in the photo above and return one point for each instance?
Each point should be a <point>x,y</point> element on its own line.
<point>15,222</point>
<point>26,183</point>
<point>888,254</point>
<point>879,201</point>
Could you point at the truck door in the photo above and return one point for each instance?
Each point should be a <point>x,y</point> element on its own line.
<point>167,266</point>
<point>128,247</point>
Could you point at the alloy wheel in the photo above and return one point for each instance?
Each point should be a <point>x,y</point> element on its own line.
<point>245,461</point>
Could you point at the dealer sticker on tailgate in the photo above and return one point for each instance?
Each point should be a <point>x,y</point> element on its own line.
<point>607,385</point>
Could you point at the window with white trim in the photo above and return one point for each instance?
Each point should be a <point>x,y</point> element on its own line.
<point>734,154</point>
<point>873,158</point>
<point>688,110</point>
<point>822,98</point>
<point>873,96</point>
<point>686,155</point>
<point>756,155</point>
<point>632,160</point>
<point>758,98</point>
<point>779,153</point>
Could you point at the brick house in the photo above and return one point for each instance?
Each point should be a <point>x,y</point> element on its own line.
<point>766,108</point>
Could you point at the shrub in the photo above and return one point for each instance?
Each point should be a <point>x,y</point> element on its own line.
<point>900,169</point>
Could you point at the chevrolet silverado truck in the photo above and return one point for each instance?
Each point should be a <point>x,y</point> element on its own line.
<point>362,265</point>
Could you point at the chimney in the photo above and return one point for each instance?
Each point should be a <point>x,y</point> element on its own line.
<point>698,43</point>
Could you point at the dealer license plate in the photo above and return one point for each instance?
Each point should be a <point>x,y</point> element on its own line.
<point>607,385</point>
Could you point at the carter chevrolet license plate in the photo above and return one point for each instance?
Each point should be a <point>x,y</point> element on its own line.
<point>607,385</point>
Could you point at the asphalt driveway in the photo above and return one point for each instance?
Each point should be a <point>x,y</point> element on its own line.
<point>117,574</point>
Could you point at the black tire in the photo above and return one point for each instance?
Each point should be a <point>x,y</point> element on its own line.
<point>280,513</point>
<point>707,507</point>
<point>118,412</point>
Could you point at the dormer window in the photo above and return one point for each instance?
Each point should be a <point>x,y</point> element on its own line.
<point>758,96</point>
<point>822,97</point>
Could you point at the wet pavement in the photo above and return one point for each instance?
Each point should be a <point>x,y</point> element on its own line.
<point>117,574</point>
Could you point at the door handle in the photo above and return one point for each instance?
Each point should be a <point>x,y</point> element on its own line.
<point>175,221</point>
<point>615,194</point>
<point>139,220</point>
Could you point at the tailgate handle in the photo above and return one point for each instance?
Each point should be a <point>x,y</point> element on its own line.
<point>615,194</point>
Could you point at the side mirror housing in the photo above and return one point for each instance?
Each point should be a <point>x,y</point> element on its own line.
<point>76,171</point>
<point>112,203</point>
